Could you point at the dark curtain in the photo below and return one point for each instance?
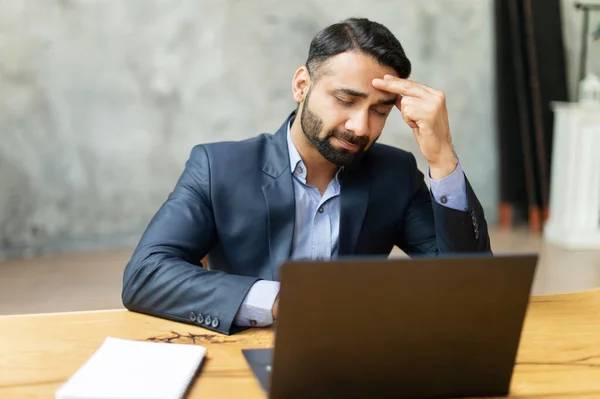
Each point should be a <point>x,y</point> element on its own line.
<point>530,70</point>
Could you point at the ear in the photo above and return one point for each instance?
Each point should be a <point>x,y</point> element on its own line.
<point>300,84</point>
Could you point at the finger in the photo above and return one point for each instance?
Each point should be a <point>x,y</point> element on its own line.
<point>406,115</point>
<point>430,90</point>
<point>424,86</point>
<point>419,109</point>
<point>399,101</point>
<point>414,110</point>
<point>402,101</point>
<point>400,86</point>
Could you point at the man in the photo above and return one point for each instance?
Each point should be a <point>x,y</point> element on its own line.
<point>319,188</point>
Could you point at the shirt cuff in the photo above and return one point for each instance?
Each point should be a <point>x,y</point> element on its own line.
<point>257,308</point>
<point>450,191</point>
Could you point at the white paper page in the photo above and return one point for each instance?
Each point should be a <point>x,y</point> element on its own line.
<point>124,369</point>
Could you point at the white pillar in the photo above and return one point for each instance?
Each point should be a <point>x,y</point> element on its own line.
<point>574,220</point>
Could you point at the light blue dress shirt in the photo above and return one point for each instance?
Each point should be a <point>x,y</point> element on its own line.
<point>316,229</point>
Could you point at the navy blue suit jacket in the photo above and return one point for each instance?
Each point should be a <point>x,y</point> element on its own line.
<point>235,203</point>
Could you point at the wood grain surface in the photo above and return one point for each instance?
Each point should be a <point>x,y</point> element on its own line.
<point>559,355</point>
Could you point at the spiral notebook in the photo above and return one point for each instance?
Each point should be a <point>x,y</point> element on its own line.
<point>127,369</point>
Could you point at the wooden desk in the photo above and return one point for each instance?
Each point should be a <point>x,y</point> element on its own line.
<point>559,355</point>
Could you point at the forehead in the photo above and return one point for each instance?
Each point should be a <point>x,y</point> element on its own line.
<point>353,69</point>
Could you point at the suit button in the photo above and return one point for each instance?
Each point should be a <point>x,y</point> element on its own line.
<point>207,320</point>
<point>192,316</point>
<point>444,199</point>
<point>200,318</point>
<point>215,322</point>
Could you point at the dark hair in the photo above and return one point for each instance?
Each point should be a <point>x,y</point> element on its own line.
<point>369,37</point>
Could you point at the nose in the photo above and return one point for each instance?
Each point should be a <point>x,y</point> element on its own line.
<point>358,123</point>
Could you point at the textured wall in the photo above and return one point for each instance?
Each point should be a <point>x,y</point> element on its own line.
<point>102,101</point>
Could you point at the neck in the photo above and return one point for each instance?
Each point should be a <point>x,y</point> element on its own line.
<point>318,169</point>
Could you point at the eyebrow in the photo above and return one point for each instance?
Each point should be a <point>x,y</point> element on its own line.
<point>360,94</point>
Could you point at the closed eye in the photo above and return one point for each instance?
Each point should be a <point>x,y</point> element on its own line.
<point>381,113</point>
<point>344,102</point>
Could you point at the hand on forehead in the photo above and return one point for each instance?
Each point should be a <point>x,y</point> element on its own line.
<point>403,87</point>
<point>352,74</point>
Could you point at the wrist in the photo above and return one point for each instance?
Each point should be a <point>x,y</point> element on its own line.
<point>443,167</point>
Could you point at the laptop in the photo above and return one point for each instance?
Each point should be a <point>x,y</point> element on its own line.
<point>394,328</point>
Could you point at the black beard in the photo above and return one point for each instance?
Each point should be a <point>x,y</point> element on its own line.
<point>312,125</point>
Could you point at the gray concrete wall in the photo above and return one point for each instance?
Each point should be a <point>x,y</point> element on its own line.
<point>103,100</point>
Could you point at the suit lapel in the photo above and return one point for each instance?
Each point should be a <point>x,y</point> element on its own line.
<point>354,200</point>
<point>280,200</point>
<point>281,212</point>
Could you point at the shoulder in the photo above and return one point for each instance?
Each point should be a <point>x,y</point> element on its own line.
<point>232,151</point>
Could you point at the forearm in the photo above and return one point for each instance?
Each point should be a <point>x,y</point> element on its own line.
<point>167,286</point>
<point>433,227</point>
<point>459,219</point>
<point>464,229</point>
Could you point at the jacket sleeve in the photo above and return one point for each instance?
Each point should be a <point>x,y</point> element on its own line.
<point>430,228</point>
<point>164,276</point>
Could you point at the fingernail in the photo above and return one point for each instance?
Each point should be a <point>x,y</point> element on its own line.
<point>388,77</point>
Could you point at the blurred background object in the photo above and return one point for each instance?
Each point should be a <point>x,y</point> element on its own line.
<point>575,197</point>
<point>531,73</point>
<point>586,8</point>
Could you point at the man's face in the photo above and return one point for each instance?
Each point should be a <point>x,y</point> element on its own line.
<point>343,114</point>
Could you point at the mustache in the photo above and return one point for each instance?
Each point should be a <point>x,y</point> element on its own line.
<point>350,138</point>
